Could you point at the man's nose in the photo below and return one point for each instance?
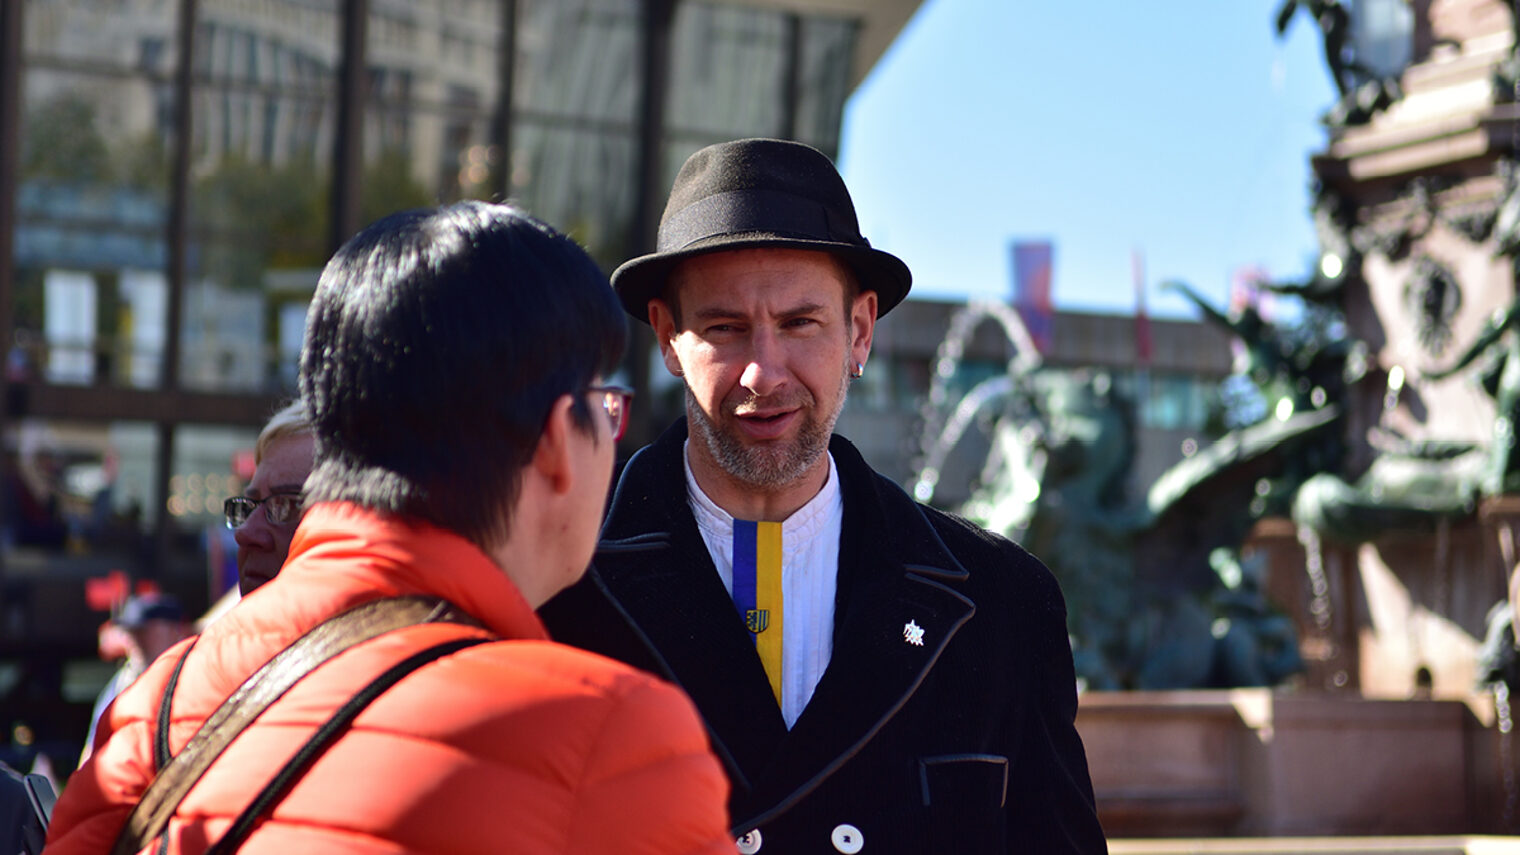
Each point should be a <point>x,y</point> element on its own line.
<point>766,371</point>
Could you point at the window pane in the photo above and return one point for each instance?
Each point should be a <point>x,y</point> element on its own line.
<point>575,103</point>
<point>728,73</point>
<point>578,61</point>
<point>433,71</point>
<point>828,47</point>
<point>581,181</point>
<point>80,488</point>
<point>261,144</point>
<point>92,199</point>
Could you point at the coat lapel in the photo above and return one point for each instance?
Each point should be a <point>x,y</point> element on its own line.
<point>897,585</point>
<point>654,564</point>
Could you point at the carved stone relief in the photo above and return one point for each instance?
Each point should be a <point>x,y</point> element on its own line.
<point>1432,297</point>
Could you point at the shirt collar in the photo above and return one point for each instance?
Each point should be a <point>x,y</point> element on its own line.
<point>804,524</point>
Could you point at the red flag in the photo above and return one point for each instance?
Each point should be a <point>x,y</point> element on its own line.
<point>1032,262</point>
<point>105,593</point>
<point>1142,320</point>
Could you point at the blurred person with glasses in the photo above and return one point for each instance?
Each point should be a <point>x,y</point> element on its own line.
<point>264,518</point>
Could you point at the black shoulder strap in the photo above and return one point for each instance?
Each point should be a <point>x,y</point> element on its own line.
<point>161,755</point>
<point>175,778</point>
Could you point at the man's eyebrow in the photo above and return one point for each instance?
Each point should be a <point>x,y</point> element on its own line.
<point>719,312</point>
<point>712,312</point>
<point>803,309</point>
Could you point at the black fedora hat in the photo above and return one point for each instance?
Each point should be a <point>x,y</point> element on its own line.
<point>758,193</point>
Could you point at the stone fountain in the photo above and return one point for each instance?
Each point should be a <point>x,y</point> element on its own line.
<point>1304,629</point>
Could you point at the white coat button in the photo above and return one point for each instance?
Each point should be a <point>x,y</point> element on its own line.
<point>847,838</point>
<point>749,842</point>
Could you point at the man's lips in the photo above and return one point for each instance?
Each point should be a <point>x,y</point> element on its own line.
<point>766,424</point>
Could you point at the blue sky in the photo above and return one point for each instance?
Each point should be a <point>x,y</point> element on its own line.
<point>1181,129</point>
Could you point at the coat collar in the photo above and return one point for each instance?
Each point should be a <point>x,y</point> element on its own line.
<point>649,505</point>
<point>343,547</point>
<point>896,579</point>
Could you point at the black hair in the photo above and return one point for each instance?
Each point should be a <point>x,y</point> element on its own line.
<point>436,345</point>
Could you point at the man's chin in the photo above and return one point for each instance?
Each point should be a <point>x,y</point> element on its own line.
<point>767,465</point>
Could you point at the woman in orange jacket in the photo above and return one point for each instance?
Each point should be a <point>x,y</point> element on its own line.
<point>464,448</point>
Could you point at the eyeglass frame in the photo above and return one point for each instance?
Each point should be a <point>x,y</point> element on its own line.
<point>254,504</point>
<point>617,401</point>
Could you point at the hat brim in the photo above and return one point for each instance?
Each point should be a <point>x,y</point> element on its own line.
<point>639,280</point>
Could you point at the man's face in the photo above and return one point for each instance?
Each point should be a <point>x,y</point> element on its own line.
<point>765,343</point>
<point>156,636</point>
<point>262,545</point>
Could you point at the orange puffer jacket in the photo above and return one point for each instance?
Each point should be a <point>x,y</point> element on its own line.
<point>521,745</point>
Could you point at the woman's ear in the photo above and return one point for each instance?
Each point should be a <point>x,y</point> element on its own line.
<point>552,456</point>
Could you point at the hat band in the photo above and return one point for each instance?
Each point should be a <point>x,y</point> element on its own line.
<point>740,211</point>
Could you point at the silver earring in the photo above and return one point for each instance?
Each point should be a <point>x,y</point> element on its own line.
<point>859,372</point>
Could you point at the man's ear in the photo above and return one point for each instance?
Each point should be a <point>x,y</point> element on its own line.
<point>552,456</point>
<point>862,325</point>
<point>663,321</point>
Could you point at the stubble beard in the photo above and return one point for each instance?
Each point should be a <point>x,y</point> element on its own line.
<point>772,465</point>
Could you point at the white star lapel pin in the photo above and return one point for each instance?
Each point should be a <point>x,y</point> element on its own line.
<point>913,634</point>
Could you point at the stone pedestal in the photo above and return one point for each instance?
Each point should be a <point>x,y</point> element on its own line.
<point>1427,601</point>
<point>1423,845</point>
<point>1400,617</point>
<point>1251,762</point>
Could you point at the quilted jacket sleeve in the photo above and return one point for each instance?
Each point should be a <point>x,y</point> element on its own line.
<point>99,796</point>
<point>652,786</point>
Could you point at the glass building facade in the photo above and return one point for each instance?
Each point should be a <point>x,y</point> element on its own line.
<point>173,174</point>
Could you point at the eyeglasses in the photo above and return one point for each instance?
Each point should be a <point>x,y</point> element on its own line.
<point>615,401</point>
<point>279,509</point>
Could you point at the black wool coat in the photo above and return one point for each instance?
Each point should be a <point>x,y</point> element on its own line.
<point>962,744</point>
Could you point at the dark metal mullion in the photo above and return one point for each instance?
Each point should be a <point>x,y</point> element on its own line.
<point>791,70</point>
<point>501,123</point>
<point>348,141</point>
<point>658,18</point>
<point>10,142</point>
<point>654,67</point>
<point>177,244</point>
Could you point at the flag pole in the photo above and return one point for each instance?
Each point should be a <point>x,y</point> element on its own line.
<point>1142,335</point>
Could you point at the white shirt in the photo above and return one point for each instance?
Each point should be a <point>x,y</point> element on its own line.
<point>809,577</point>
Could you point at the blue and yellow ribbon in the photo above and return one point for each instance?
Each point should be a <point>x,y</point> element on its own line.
<point>757,591</point>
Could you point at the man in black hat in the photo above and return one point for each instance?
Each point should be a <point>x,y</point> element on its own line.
<point>876,675</point>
